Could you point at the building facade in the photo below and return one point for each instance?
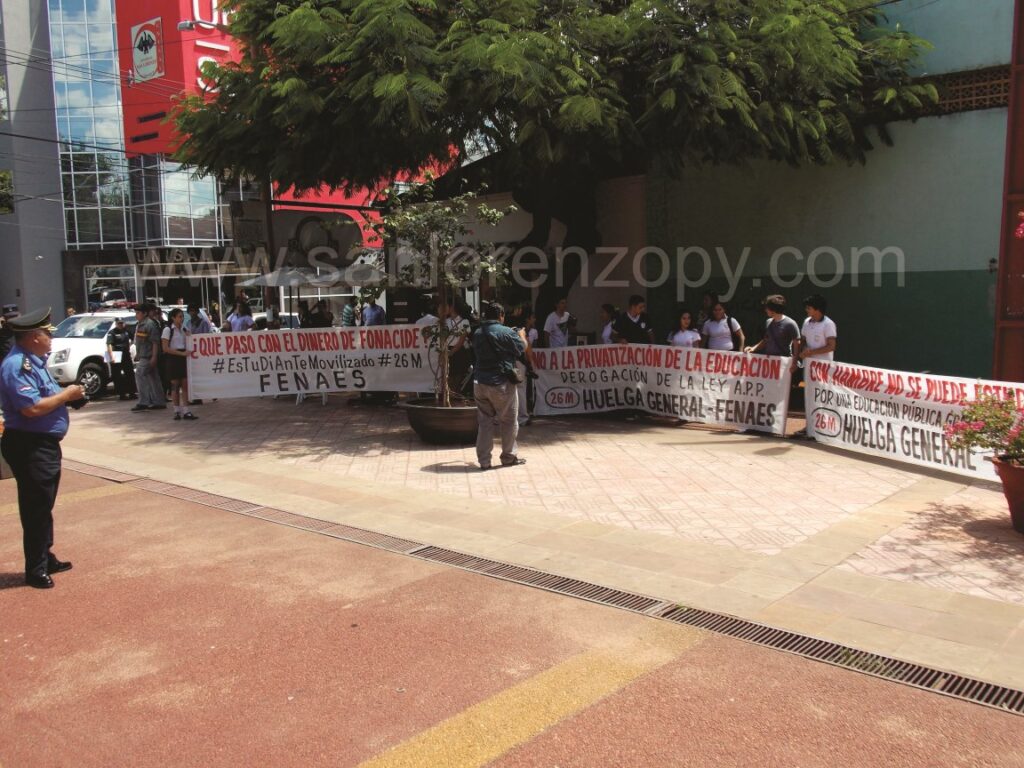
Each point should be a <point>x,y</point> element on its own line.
<point>101,209</point>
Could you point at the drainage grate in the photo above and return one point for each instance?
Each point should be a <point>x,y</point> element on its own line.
<point>105,474</point>
<point>549,581</point>
<point>335,530</point>
<point>194,496</point>
<point>916,675</point>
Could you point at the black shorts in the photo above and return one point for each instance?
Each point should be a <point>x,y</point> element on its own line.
<point>176,367</point>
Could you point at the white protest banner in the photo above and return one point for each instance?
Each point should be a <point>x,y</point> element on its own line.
<point>702,385</point>
<point>285,362</point>
<point>896,415</point>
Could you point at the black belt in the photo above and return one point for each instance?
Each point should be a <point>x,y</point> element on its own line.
<point>24,434</point>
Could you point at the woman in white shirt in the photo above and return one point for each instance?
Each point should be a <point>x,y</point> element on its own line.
<point>174,340</point>
<point>684,336</point>
<point>720,330</point>
<point>241,318</point>
<point>608,318</point>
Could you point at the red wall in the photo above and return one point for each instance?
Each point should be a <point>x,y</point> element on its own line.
<point>183,52</point>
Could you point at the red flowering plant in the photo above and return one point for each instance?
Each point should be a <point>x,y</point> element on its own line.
<point>991,423</point>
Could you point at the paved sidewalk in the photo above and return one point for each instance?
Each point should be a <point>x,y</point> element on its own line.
<point>190,636</point>
<point>920,566</point>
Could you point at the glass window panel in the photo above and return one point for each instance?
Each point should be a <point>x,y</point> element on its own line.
<point>79,95</point>
<point>88,225</point>
<point>85,189</point>
<point>73,10</point>
<point>64,129</point>
<point>203,192</point>
<point>104,95</point>
<point>205,227</point>
<point>60,94</point>
<point>99,10</point>
<point>56,42</point>
<point>112,220</point>
<point>76,45</point>
<point>82,130</point>
<point>70,227</point>
<point>54,9</point>
<point>108,132</point>
<point>68,185</point>
<point>179,229</point>
<point>101,37</point>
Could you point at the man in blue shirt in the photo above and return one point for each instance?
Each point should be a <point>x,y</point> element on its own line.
<point>497,348</point>
<point>35,420</point>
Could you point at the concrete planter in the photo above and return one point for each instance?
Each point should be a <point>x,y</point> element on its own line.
<point>1012,476</point>
<point>442,426</point>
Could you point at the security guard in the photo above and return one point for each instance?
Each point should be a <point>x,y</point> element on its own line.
<point>119,346</point>
<point>35,420</point>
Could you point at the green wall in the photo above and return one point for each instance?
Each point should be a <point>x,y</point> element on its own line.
<point>935,195</point>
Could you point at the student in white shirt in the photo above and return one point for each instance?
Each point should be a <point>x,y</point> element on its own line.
<point>526,385</point>
<point>818,331</point>
<point>174,339</point>
<point>684,335</point>
<point>720,330</point>
<point>556,327</point>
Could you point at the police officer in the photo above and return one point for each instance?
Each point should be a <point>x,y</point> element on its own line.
<point>35,420</point>
<point>119,347</point>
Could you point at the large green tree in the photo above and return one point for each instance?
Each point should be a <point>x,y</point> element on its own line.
<point>553,95</point>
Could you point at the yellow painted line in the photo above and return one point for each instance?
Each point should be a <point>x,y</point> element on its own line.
<point>488,730</point>
<point>75,496</point>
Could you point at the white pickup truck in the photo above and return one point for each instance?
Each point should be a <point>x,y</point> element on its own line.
<point>79,351</point>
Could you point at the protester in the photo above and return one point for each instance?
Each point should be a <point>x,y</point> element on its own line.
<point>608,317</point>
<point>119,350</point>
<point>320,316</point>
<point>557,324</point>
<point>460,359</point>
<point>707,304</point>
<point>349,313</point>
<point>684,335</point>
<point>241,319</point>
<point>497,348</point>
<point>304,314</point>
<point>176,350</point>
<point>147,375</point>
<point>35,418</point>
<point>196,323</point>
<point>781,333</point>
<point>633,327</point>
<point>525,366</point>
<point>819,330</point>
<point>722,332</point>
<point>373,313</point>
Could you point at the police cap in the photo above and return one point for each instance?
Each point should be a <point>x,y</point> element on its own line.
<point>38,319</point>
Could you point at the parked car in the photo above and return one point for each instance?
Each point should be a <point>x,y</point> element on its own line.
<point>288,319</point>
<point>107,297</point>
<point>79,351</point>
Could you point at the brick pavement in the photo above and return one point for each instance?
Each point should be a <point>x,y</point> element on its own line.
<point>190,636</point>
<point>786,532</point>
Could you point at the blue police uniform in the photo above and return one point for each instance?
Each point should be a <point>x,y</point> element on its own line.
<point>31,446</point>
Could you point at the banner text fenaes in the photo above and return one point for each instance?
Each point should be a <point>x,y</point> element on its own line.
<point>897,415</point>
<point>711,387</point>
<point>287,362</point>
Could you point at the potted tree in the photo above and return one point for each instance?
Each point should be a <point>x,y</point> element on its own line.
<point>996,424</point>
<point>431,240</point>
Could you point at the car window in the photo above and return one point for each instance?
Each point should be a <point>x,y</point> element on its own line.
<point>81,327</point>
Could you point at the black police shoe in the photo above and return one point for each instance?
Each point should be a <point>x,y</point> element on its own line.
<point>54,565</point>
<point>39,582</point>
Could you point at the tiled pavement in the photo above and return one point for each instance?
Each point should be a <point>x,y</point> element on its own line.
<point>919,566</point>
